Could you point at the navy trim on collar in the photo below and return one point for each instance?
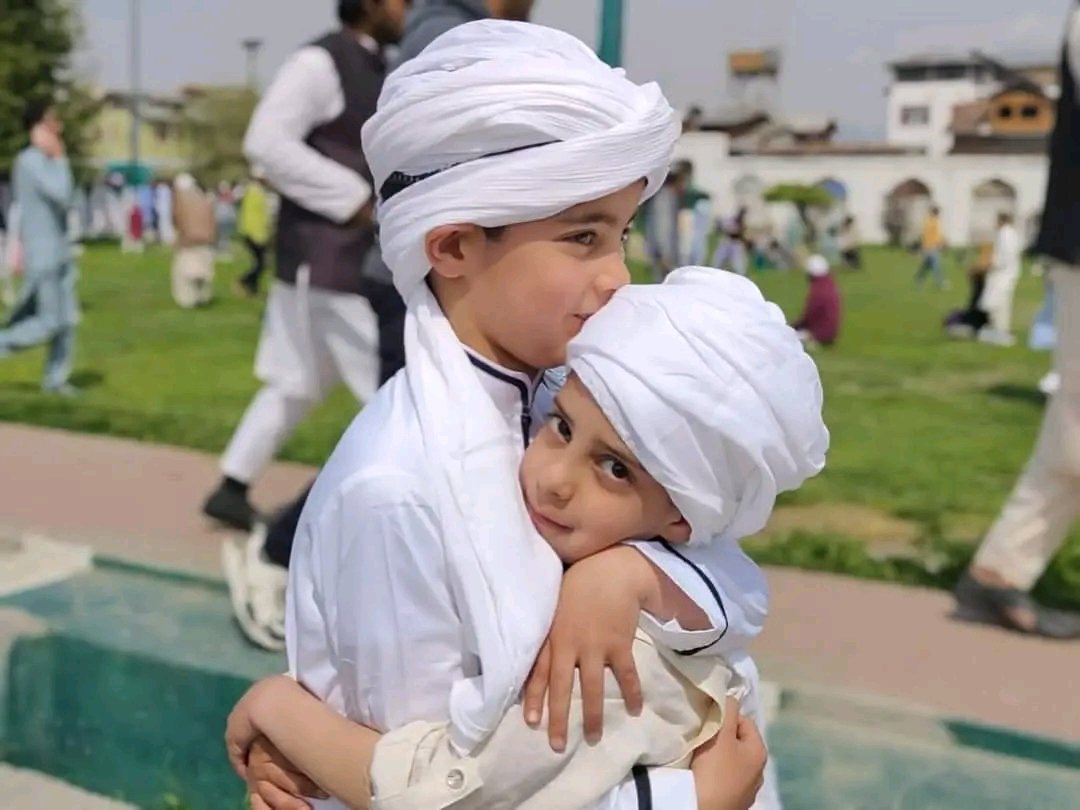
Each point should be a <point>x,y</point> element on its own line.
<point>712,589</point>
<point>526,392</point>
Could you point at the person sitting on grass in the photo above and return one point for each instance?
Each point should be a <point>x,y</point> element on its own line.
<point>819,324</point>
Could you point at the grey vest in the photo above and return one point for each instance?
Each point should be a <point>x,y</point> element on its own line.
<point>335,253</point>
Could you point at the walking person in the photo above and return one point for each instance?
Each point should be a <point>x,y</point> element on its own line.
<point>932,245</point>
<point>46,311</point>
<point>1045,502</point>
<point>254,229</point>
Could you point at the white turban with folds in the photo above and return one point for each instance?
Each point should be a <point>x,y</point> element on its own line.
<point>495,123</point>
<point>712,391</point>
<point>518,122</point>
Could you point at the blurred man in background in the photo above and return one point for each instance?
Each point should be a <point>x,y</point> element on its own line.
<point>1045,503</point>
<point>257,572</point>
<point>195,237</point>
<point>47,309</point>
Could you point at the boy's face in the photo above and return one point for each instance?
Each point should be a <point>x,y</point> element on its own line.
<point>520,296</point>
<point>584,489</point>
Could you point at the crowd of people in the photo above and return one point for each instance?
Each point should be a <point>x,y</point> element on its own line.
<point>526,500</point>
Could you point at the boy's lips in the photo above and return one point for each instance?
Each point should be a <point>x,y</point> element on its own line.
<point>543,523</point>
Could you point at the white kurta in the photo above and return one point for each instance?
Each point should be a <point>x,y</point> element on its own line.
<point>373,626</point>
<point>997,297</point>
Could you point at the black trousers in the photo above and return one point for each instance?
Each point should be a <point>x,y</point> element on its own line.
<point>250,279</point>
<point>390,310</point>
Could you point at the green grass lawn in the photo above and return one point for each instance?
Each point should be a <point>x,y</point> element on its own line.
<point>926,430</point>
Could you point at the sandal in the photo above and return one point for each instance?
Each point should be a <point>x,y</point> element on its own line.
<point>1001,606</point>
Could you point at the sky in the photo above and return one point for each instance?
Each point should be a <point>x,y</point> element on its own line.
<point>834,51</point>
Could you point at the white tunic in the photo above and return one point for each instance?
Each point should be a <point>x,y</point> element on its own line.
<point>372,625</point>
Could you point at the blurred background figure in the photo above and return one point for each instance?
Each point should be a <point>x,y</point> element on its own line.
<point>193,253</point>
<point>47,309</point>
<point>662,224</point>
<point>9,250</point>
<point>1000,287</point>
<point>932,246</point>
<point>1045,502</point>
<point>819,324</point>
<point>253,226</point>
<point>850,250</point>
<point>225,214</point>
<point>967,322</point>
<point>163,212</point>
<point>732,249</point>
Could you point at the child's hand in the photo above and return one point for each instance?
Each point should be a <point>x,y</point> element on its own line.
<point>274,783</point>
<point>729,769</point>
<point>593,628</point>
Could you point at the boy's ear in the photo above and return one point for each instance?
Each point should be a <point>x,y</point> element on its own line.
<point>677,531</point>
<point>450,249</point>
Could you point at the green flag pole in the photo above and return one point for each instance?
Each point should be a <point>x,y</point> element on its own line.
<point>611,32</point>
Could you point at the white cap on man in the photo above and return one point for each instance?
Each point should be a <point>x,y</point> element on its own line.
<point>817,266</point>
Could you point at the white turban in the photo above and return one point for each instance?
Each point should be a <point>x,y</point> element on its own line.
<point>712,391</point>
<point>517,122</point>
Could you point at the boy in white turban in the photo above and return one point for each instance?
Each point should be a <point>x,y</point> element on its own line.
<point>509,162</point>
<point>689,407</point>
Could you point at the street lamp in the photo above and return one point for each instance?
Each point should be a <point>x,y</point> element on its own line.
<point>135,67</point>
<point>252,46</point>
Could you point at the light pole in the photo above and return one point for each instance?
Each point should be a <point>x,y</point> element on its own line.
<point>136,91</point>
<point>251,46</point>
<point>611,32</point>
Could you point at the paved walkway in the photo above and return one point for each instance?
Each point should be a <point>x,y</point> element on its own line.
<point>141,502</point>
<point>27,790</point>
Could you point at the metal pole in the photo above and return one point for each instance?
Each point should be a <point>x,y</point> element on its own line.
<point>251,47</point>
<point>611,32</point>
<point>136,90</point>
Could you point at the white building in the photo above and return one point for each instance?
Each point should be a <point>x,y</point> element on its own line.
<point>923,93</point>
<point>967,135</point>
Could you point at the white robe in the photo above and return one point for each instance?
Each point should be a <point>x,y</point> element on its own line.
<point>997,297</point>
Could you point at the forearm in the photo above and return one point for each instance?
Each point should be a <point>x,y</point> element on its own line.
<point>659,595</point>
<point>333,751</point>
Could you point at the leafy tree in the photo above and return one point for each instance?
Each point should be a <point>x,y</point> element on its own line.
<point>37,39</point>
<point>805,199</point>
<point>216,119</point>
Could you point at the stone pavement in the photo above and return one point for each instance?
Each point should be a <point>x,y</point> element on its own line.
<point>27,790</point>
<point>825,633</point>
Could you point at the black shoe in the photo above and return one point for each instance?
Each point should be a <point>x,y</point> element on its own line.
<point>231,508</point>
<point>1006,606</point>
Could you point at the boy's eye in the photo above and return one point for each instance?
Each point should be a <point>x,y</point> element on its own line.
<point>560,426</point>
<point>586,238</point>
<point>625,236</point>
<point>615,468</point>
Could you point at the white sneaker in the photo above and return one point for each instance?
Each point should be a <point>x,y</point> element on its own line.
<point>256,589</point>
<point>996,338</point>
<point>1050,384</point>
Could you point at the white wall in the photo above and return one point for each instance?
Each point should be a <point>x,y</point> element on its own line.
<point>940,97</point>
<point>951,179</point>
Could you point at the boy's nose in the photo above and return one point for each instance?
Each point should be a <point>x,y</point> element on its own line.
<point>612,275</point>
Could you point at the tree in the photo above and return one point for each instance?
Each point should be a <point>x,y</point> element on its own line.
<point>37,38</point>
<point>804,198</point>
<point>216,119</point>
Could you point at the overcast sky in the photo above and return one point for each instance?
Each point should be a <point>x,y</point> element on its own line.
<point>834,50</point>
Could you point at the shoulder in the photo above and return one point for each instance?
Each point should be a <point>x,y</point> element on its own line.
<point>379,462</point>
<point>312,62</point>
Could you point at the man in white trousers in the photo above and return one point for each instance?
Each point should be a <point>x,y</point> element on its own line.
<point>1046,500</point>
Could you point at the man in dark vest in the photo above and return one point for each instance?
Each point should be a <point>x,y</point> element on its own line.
<point>320,327</point>
<point>256,572</point>
<point>1046,500</point>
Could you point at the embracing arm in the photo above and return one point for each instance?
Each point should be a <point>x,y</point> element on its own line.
<point>334,752</point>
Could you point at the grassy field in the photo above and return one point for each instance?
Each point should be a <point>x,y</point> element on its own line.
<point>928,434</point>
